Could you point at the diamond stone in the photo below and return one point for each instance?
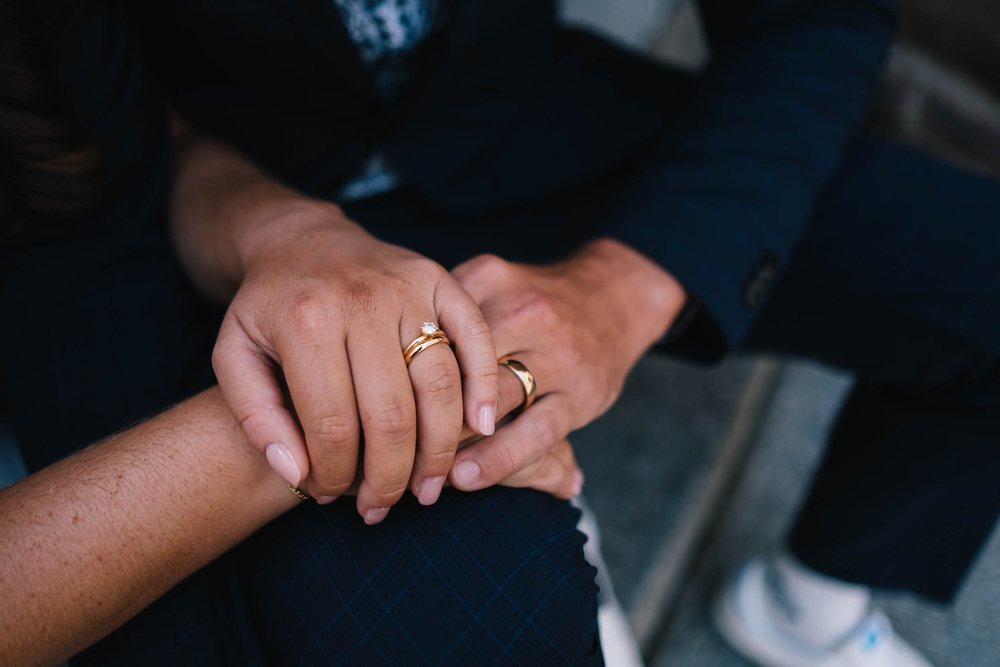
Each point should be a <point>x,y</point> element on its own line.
<point>429,328</point>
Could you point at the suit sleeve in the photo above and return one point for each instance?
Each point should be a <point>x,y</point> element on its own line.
<point>730,188</point>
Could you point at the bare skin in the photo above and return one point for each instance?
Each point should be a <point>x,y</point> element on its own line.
<point>312,285</point>
<point>321,305</point>
<point>580,326</point>
<point>88,542</point>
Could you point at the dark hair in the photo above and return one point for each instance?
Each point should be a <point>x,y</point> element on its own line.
<point>45,170</point>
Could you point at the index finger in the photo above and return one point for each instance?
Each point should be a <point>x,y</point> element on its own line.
<point>470,335</point>
<point>510,397</point>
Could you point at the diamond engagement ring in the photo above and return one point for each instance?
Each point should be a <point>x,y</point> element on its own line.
<point>430,334</point>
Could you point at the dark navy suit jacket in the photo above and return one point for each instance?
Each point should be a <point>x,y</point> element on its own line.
<point>498,115</point>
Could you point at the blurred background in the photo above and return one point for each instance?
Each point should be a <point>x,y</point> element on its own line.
<point>696,469</point>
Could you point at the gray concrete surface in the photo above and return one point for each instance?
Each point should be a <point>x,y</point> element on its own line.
<point>966,634</point>
<point>657,467</point>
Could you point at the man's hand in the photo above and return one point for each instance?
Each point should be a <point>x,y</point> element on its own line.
<point>579,326</point>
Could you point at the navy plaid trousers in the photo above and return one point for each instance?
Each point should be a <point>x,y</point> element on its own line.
<point>496,577</point>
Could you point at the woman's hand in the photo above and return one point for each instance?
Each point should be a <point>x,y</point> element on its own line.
<point>556,472</point>
<point>316,330</point>
<point>328,308</point>
<point>579,326</point>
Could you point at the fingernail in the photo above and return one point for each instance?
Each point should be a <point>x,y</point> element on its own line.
<point>577,482</point>
<point>429,490</point>
<point>467,473</point>
<point>325,500</point>
<point>487,415</point>
<point>375,515</point>
<point>282,462</point>
<point>487,419</point>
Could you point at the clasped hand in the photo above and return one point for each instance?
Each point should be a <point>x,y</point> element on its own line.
<point>309,359</point>
<point>580,326</point>
<point>332,308</point>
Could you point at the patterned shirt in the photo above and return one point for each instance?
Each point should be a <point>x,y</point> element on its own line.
<point>386,33</point>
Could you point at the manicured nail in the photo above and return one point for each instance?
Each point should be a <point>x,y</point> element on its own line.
<point>429,490</point>
<point>577,482</point>
<point>282,462</point>
<point>325,500</point>
<point>467,473</point>
<point>375,515</point>
<point>487,419</point>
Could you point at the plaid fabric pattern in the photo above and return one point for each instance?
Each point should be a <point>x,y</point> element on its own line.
<point>491,578</point>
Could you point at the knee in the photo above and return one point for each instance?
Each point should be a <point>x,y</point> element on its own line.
<point>490,577</point>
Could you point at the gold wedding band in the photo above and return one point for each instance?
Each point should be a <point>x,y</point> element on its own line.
<point>526,378</point>
<point>299,492</point>
<point>430,335</point>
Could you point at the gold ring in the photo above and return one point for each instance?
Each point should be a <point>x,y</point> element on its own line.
<point>300,493</point>
<point>526,378</point>
<point>430,335</point>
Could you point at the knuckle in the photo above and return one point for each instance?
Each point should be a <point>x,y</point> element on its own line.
<point>440,380</point>
<point>537,308</point>
<point>544,433</point>
<point>431,270</point>
<point>486,267</point>
<point>476,327</point>
<point>225,348</point>
<point>485,376</point>
<point>438,459</point>
<point>384,493</point>
<point>393,422</point>
<point>504,462</point>
<point>253,420</point>
<point>220,357</point>
<point>334,429</point>
<point>309,313</point>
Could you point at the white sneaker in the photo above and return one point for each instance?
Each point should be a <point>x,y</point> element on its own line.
<point>741,615</point>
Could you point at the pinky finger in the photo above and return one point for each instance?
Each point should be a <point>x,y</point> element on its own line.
<point>555,473</point>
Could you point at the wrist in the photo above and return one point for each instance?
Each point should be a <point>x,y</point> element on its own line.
<point>277,224</point>
<point>651,298</point>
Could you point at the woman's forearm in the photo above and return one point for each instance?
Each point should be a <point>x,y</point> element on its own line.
<point>88,542</point>
<point>221,207</point>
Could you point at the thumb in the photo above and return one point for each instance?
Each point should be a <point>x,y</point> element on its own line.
<point>251,389</point>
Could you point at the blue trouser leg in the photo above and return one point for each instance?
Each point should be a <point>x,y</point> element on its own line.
<point>897,279</point>
<point>496,577</point>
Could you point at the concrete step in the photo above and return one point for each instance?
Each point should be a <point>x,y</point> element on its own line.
<point>659,466</point>
<point>759,510</point>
